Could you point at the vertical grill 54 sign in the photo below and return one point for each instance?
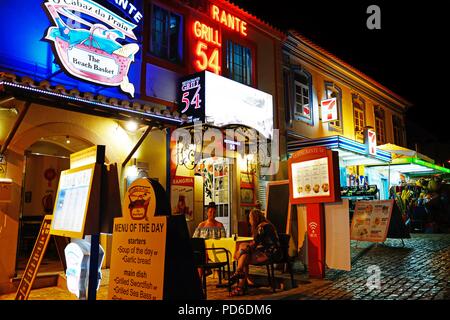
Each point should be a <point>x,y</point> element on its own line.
<point>91,51</point>
<point>191,96</point>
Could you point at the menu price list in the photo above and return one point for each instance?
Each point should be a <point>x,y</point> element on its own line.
<point>138,255</point>
<point>127,284</point>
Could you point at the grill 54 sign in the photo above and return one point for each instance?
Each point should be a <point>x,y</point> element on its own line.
<point>208,39</point>
<point>91,50</point>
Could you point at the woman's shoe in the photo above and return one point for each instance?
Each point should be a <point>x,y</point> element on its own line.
<point>239,291</point>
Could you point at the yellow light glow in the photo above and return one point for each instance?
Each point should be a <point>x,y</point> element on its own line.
<point>131,126</point>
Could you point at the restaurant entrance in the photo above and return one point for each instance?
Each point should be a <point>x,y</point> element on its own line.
<point>43,162</point>
<point>217,186</point>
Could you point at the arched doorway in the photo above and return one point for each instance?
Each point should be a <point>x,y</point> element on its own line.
<point>43,162</point>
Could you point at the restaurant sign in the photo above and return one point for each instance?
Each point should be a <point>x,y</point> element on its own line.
<point>85,37</point>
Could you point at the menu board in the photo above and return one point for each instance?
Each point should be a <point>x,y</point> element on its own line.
<point>72,201</point>
<point>371,220</point>
<point>138,247</point>
<point>310,178</point>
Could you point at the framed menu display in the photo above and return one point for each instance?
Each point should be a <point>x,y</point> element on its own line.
<point>73,201</point>
<point>371,220</point>
<point>314,176</point>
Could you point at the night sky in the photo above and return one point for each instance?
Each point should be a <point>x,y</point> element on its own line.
<point>406,55</point>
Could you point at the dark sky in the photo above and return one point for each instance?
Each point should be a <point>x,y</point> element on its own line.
<point>407,55</point>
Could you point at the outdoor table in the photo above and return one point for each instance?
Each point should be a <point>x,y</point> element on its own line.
<point>228,243</point>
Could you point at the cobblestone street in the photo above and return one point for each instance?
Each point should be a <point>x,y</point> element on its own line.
<point>418,271</point>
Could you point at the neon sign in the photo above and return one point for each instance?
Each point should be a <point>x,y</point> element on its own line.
<point>207,48</point>
<point>232,22</point>
<point>92,52</point>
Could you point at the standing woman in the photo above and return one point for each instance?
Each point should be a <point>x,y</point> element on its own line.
<point>264,247</point>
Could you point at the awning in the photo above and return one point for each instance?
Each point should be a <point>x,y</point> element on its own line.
<point>399,151</point>
<point>43,93</point>
<point>412,166</point>
<point>350,152</point>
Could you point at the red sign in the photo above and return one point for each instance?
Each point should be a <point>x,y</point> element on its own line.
<point>314,176</point>
<point>371,141</point>
<point>329,110</point>
<point>207,45</point>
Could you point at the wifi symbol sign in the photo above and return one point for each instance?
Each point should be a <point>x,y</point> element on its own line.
<point>313,226</point>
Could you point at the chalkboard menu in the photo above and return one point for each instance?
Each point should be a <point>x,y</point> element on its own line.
<point>277,207</point>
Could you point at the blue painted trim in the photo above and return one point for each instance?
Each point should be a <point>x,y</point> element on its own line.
<point>338,142</point>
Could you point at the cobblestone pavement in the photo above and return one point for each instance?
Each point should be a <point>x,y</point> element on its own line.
<point>418,271</point>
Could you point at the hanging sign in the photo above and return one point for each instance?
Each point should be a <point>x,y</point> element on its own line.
<point>90,50</point>
<point>329,110</point>
<point>371,142</point>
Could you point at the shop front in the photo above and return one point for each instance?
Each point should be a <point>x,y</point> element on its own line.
<point>74,90</point>
<point>420,188</point>
<point>356,181</point>
<point>221,153</point>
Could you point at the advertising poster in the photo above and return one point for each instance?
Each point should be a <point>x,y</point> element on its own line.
<point>138,247</point>
<point>310,178</point>
<point>182,196</point>
<point>371,220</point>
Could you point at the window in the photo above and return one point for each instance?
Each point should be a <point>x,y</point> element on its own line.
<point>303,105</point>
<point>398,130</point>
<point>239,63</point>
<point>166,36</point>
<point>333,91</point>
<point>359,108</point>
<point>380,125</point>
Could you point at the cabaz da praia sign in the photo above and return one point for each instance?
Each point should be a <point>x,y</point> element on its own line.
<point>90,51</point>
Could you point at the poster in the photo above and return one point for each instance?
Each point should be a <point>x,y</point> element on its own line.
<point>371,220</point>
<point>138,247</point>
<point>72,201</point>
<point>310,178</point>
<point>182,196</point>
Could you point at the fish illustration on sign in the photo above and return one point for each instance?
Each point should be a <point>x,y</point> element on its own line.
<point>92,51</point>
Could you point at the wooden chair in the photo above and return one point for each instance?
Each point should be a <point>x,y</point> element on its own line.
<point>201,261</point>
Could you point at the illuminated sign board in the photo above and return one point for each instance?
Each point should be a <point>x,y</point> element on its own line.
<point>371,142</point>
<point>329,110</point>
<point>208,39</point>
<point>314,176</point>
<point>72,202</point>
<point>86,39</point>
<point>219,101</point>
